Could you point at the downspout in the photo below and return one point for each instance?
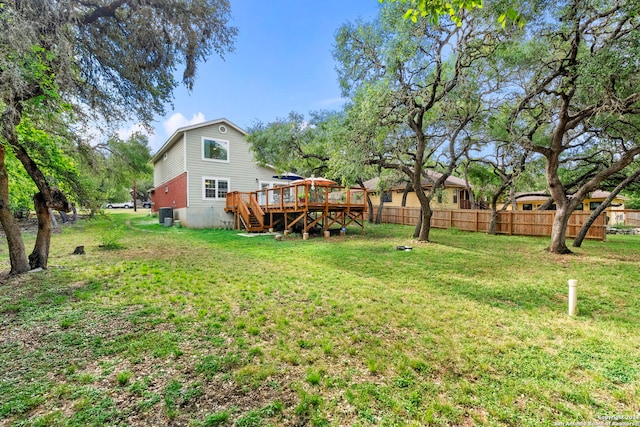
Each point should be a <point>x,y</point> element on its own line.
<point>186,169</point>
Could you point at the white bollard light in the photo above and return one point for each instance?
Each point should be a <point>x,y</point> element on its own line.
<point>573,297</point>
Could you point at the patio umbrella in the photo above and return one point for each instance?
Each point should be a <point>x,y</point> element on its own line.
<point>288,176</point>
<point>315,181</point>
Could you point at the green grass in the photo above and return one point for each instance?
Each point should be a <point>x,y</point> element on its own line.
<point>204,327</point>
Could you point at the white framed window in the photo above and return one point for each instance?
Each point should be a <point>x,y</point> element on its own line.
<point>214,149</point>
<point>214,188</point>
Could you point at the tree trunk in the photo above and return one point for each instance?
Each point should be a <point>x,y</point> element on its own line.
<point>577,242</point>
<point>494,221</point>
<point>135,196</point>
<point>467,186</point>
<point>379,212</point>
<point>370,207</point>
<point>48,199</point>
<point>494,207</point>
<point>405,193</point>
<point>559,231</point>
<point>63,216</point>
<point>416,231</point>
<point>40,254</point>
<point>54,221</point>
<point>17,254</point>
<point>426,223</point>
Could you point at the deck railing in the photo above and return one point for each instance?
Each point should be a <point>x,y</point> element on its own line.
<point>304,195</point>
<point>333,204</point>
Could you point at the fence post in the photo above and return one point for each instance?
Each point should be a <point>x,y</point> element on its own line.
<point>511,213</point>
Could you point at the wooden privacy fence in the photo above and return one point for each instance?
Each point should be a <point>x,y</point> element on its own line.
<point>630,217</point>
<point>522,223</point>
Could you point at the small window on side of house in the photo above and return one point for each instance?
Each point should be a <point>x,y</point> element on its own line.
<point>455,196</point>
<point>594,205</point>
<point>527,207</point>
<point>387,197</point>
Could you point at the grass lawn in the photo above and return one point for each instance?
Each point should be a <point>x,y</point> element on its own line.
<point>205,327</point>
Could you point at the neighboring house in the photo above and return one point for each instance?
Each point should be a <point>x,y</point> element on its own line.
<point>196,168</point>
<point>615,211</point>
<point>454,195</point>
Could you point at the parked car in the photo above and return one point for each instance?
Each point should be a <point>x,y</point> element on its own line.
<point>126,205</point>
<point>146,204</point>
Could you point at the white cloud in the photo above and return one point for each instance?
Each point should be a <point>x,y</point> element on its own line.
<point>331,102</point>
<point>125,133</point>
<point>177,120</point>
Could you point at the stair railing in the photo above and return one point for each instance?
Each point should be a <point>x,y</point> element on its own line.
<point>255,208</point>
<point>245,215</point>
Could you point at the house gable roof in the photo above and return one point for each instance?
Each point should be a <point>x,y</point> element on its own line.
<point>541,197</point>
<point>451,181</point>
<point>180,131</point>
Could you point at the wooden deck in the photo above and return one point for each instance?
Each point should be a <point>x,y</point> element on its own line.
<point>300,206</point>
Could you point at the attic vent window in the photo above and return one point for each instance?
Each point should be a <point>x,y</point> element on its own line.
<point>164,157</point>
<point>222,129</point>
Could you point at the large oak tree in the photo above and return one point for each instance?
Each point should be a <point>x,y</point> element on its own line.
<point>579,96</point>
<point>111,59</point>
<point>418,82</point>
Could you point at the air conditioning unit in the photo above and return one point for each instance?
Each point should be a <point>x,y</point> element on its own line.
<point>165,213</point>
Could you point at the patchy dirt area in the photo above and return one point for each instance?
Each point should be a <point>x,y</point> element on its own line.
<point>28,225</point>
<point>132,363</point>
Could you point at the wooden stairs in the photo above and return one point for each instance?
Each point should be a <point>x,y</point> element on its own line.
<point>251,215</point>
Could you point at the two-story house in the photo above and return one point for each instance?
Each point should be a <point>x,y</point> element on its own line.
<point>198,165</point>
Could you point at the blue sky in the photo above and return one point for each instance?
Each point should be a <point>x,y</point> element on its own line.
<point>282,62</point>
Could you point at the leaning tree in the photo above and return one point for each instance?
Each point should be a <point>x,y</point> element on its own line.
<point>579,94</point>
<point>113,60</point>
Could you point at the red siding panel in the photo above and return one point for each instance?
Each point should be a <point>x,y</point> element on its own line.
<point>171,194</point>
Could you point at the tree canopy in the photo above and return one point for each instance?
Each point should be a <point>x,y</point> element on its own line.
<point>416,94</point>
<point>453,9</point>
<point>577,97</point>
<point>501,103</point>
<point>99,61</point>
